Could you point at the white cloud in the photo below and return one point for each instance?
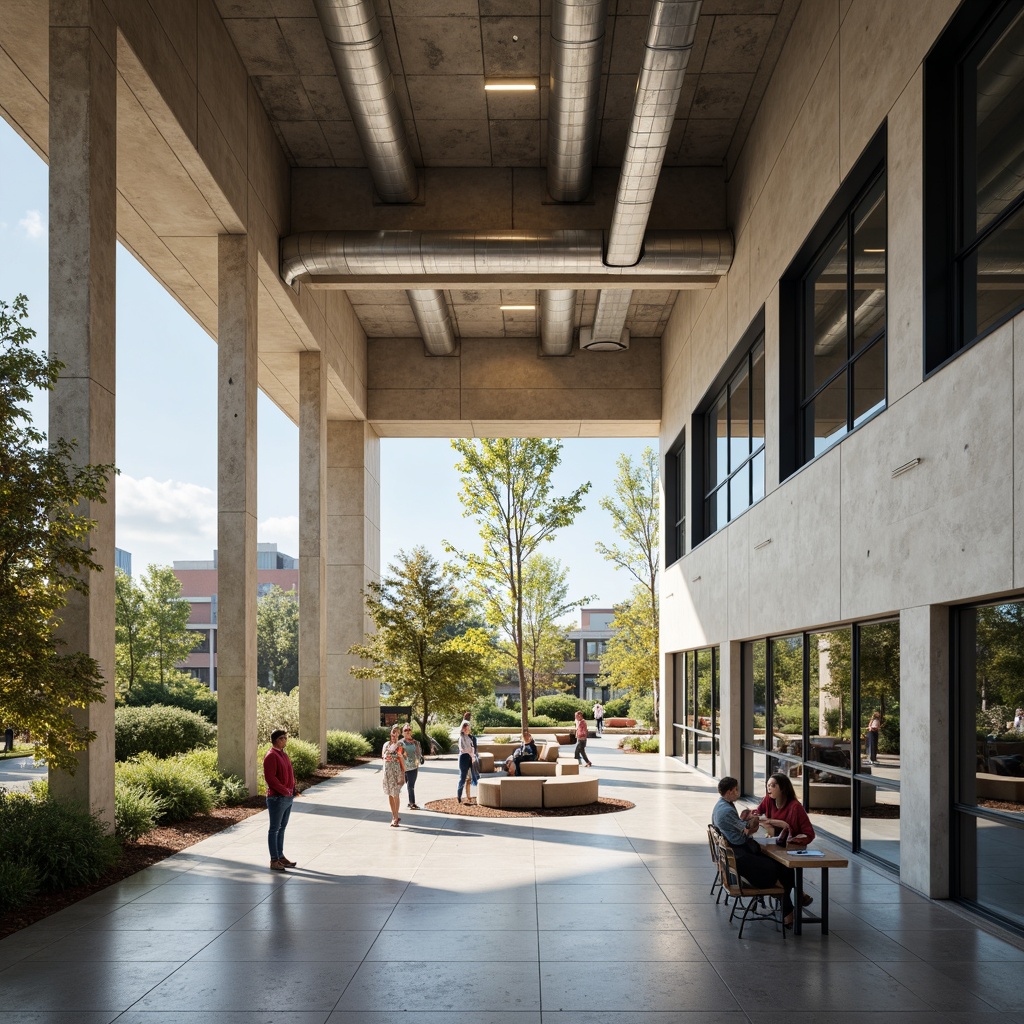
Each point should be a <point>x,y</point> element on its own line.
<point>161,521</point>
<point>282,531</point>
<point>32,224</point>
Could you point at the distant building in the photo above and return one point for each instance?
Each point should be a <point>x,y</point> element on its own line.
<point>123,560</point>
<point>198,581</point>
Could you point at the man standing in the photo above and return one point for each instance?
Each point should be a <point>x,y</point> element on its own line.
<point>599,718</point>
<point>280,776</point>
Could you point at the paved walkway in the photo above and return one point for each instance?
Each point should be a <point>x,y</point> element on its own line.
<point>17,773</point>
<point>585,920</point>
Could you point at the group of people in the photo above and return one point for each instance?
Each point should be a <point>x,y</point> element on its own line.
<point>402,756</point>
<point>780,814</point>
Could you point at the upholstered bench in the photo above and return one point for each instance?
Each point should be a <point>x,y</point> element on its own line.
<point>570,792</point>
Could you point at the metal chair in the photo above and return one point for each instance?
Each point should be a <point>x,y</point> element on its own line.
<point>716,884</point>
<point>747,897</point>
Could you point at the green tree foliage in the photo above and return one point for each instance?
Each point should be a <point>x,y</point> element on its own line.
<point>425,648</point>
<point>277,640</point>
<point>630,660</point>
<point>634,508</point>
<point>506,488</point>
<point>178,691</point>
<point>163,731</point>
<point>1000,657</point>
<point>276,710</point>
<point>43,556</point>
<point>151,627</point>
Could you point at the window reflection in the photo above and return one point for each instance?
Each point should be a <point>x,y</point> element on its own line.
<point>880,699</point>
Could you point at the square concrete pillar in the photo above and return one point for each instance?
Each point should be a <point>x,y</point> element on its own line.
<point>313,549</point>
<point>730,703</point>
<point>924,749</point>
<point>237,362</point>
<point>353,561</point>
<point>83,226</point>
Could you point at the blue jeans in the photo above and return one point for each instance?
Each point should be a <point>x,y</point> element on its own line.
<point>410,784</point>
<point>280,808</point>
<point>467,768</point>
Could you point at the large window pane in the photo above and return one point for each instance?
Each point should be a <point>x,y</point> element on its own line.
<point>869,383</point>
<point>994,277</point>
<point>718,442</point>
<point>828,345</point>
<point>829,705</point>
<point>869,241</point>
<point>739,492</point>
<point>826,416</point>
<point>998,112</point>
<point>880,699</point>
<point>739,419</point>
<point>880,822</point>
<point>992,867</point>
<point>787,695</point>
<point>757,397</point>
<point>829,804</point>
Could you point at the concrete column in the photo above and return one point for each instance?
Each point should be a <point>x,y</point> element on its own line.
<point>83,224</point>
<point>924,749</point>
<point>353,560</point>
<point>237,361</point>
<point>730,703</point>
<point>313,549</point>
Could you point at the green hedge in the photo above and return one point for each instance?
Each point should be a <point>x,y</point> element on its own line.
<point>642,744</point>
<point>18,884</point>
<point>159,730</point>
<point>61,844</point>
<point>230,789</point>
<point>345,747</point>
<point>562,707</point>
<point>180,691</point>
<point>642,709</point>
<point>184,787</point>
<point>487,715</point>
<point>305,758</point>
<point>542,722</point>
<point>617,708</point>
<point>376,736</point>
<point>442,736</point>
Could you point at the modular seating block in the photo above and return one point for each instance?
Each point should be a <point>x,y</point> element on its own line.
<point>488,793</point>
<point>570,792</point>
<point>522,792</point>
<point>499,751</point>
<point>549,770</point>
<point>486,762</point>
<point>1000,787</point>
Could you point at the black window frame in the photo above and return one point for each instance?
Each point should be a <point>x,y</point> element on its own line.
<point>796,309</point>
<point>968,38</point>
<point>675,501</point>
<point>700,488</point>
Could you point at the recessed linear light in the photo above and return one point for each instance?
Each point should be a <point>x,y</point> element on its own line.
<point>521,309</point>
<point>874,250</point>
<point>510,86</point>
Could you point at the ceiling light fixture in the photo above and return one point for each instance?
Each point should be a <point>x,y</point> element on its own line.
<point>509,309</point>
<point>874,250</point>
<point>510,86</point>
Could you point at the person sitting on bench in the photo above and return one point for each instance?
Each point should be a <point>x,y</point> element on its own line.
<point>527,751</point>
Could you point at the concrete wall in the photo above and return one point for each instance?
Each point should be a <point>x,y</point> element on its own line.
<point>848,541</point>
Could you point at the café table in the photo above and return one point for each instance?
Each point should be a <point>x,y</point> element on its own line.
<point>800,859</point>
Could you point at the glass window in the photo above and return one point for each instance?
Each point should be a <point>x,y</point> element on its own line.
<point>696,713</point>
<point>843,349</point>
<point>974,87</point>
<point>595,648</point>
<point>734,443</point>
<point>675,513</point>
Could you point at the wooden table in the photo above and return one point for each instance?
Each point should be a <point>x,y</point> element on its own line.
<point>792,857</point>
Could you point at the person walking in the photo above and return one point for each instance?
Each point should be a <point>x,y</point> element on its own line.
<point>872,737</point>
<point>281,793</point>
<point>413,759</point>
<point>468,773</point>
<point>599,718</point>
<point>581,740</point>
<point>393,756</point>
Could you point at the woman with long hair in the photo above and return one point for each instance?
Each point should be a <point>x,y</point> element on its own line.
<point>467,757</point>
<point>393,756</point>
<point>780,810</point>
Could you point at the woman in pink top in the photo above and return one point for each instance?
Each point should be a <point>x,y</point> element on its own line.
<point>581,740</point>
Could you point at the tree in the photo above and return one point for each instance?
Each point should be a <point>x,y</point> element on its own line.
<point>506,488</point>
<point>630,659</point>
<point>43,556</point>
<point>151,627</point>
<point>277,640</point>
<point>424,647</point>
<point>634,509</point>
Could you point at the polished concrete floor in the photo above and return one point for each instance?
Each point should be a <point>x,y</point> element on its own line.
<point>581,920</point>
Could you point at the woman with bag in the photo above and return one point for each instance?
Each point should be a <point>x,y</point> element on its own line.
<point>467,758</point>
<point>413,760</point>
<point>393,756</point>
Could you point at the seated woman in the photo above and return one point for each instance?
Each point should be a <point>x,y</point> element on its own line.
<point>526,751</point>
<point>780,810</point>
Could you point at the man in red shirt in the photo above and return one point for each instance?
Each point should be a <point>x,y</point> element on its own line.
<point>280,776</point>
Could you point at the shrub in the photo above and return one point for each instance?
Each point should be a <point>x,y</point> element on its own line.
<point>487,715</point>
<point>376,736</point>
<point>345,747</point>
<point>642,744</point>
<point>136,811</point>
<point>542,722</point>
<point>617,708</point>
<point>18,884</point>
<point>159,730</point>
<point>500,739</point>
<point>179,691</point>
<point>230,789</point>
<point>641,707</point>
<point>442,737</point>
<point>62,844</point>
<point>562,707</point>
<point>184,786</point>
<point>305,758</point>
<point>276,710</point>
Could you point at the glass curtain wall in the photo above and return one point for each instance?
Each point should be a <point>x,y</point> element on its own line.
<point>811,703</point>
<point>696,725</point>
<point>989,755</point>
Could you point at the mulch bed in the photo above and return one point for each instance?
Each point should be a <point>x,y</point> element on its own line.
<point>151,849</point>
<point>604,805</point>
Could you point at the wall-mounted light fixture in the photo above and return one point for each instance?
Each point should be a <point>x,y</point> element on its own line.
<point>763,544</point>
<point>515,309</point>
<point>510,85</point>
<point>905,468</point>
<point>696,579</point>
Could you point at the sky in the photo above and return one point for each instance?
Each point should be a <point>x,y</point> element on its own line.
<point>166,429</point>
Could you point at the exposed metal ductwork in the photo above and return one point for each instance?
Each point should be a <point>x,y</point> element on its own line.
<point>557,320</point>
<point>357,49</point>
<point>431,312</point>
<point>670,34</point>
<point>330,255</point>
<point>577,42</point>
